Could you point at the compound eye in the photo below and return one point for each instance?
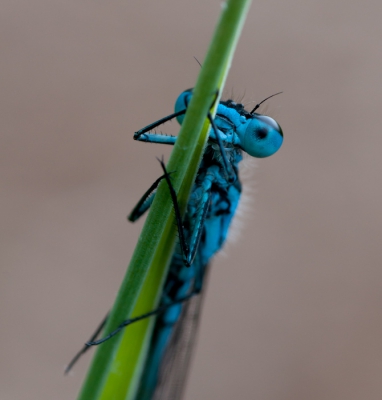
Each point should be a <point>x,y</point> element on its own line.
<point>182,102</point>
<point>263,136</point>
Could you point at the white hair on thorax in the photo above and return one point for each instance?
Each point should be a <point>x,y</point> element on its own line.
<point>244,212</point>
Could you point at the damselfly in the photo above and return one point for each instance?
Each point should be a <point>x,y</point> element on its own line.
<point>202,232</point>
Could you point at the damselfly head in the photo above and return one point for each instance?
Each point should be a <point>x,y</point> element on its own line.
<point>260,136</point>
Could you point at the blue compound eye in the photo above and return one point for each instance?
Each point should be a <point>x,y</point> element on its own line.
<point>182,102</point>
<point>263,136</point>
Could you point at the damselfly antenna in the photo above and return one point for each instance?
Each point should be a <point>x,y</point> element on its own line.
<point>261,102</point>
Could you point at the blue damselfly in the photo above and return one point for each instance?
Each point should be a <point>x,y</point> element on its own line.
<point>202,233</point>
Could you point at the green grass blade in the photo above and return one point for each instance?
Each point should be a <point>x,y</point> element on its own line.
<point>116,366</point>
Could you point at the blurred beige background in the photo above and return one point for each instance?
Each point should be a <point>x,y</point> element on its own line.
<point>294,309</point>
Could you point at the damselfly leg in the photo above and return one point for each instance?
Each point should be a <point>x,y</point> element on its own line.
<point>189,252</point>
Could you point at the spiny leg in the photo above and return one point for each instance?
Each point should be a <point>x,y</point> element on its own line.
<point>143,135</point>
<point>178,216</point>
<point>195,238</point>
<point>189,251</point>
<point>130,321</point>
<point>226,164</point>
<point>142,205</point>
<point>157,123</point>
<point>145,202</point>
<point>86,348</point>
<point>197,288</point>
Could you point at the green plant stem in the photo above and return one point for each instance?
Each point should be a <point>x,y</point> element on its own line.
<point>116,366</point>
